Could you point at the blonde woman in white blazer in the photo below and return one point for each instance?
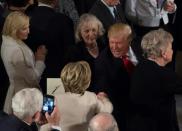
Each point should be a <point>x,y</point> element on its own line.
<point>77,106</point>
<point>23,68</point>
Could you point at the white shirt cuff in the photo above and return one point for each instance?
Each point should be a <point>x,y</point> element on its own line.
<point>56,127</point>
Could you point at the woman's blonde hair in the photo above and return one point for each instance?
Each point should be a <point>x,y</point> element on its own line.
<point>87,18</point>
<point>76,77</point>
<point>155,42</point>
<point>14,21</point>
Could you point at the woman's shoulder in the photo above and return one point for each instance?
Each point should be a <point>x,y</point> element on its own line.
<point>9,43</point>
<point>8,40</point>
<point>90,94</point>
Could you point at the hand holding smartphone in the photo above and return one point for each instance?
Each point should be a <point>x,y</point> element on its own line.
<point>48,104</point>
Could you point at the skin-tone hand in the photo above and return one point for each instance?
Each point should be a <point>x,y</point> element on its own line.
<point>54,117</point>
<point>101,95</point>
<point>169,6</point>
<point>41,53</point>
<point>42,120</point>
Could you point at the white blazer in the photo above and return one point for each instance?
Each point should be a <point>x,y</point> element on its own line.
<point>21,67</point>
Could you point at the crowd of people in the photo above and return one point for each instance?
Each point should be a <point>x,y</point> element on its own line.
<point>112,56</point>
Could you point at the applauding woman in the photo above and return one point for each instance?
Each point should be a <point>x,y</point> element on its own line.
<point>23,68</point>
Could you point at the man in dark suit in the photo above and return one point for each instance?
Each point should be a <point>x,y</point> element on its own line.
<point>113,74</point>
<point>55,30</point>
<point>26,111</point>
<point>108,12</point>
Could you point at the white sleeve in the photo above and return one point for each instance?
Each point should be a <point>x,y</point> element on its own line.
<point>25,70</point>
<point>104,105</point>
<point>39,68</point>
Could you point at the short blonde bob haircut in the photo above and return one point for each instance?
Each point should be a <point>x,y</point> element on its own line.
<point>76,77</point>
<point>15,21</point>
<point>155,42</point>
<point>88,18</point>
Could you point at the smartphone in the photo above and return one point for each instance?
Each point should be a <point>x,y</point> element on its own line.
<point>48,104</point>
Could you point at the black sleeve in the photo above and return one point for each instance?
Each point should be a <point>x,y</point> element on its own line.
<point>55,129</point>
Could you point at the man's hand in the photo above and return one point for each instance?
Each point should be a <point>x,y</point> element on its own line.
<point>54,117</point>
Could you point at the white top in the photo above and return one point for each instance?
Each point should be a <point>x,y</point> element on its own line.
<point>22,69</point>
<point>131,56</point>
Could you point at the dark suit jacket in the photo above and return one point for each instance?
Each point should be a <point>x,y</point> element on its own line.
<point>55,30</point>
<point>104,15</point>
<point>1,23</point>
<point>177,27</point>
<point>152,93</point>
<point>83,6</point>
<point>12,123</point>
<point>112,78</point>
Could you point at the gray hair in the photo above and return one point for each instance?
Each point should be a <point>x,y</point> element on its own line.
<point>27,102</point>
<point>155,42</point>
<point>103,122</point>
<point>86,18</point>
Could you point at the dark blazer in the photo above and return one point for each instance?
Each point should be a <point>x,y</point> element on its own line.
<point>83,6</point>
<point>4,80</point>
<point>152,93</point>
<point>55,30</point>
<point>1,22</point>
<point>176,26</point>
<point>12,123</point>
<point>79,52</point>
<point>113,79</point>
<point>2,115</point>
<point>104,14</point>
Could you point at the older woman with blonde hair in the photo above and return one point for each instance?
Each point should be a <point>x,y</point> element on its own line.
<point>89,41</point>
<point>78,106</point>
<point>153,86</point>
<point>23,68</point>
<point>88,34</point>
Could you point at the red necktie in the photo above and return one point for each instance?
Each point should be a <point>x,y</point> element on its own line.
<point>129,66</point>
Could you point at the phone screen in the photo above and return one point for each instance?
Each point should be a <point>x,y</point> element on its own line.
<point>48,104</point>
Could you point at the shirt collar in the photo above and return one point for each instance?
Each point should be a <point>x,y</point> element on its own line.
<point>111,8</point>
<point>131,56</point>
<point>42,4</point>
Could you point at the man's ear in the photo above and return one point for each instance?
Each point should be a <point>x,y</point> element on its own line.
<point>163,54</point>
<point>37,116</point>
